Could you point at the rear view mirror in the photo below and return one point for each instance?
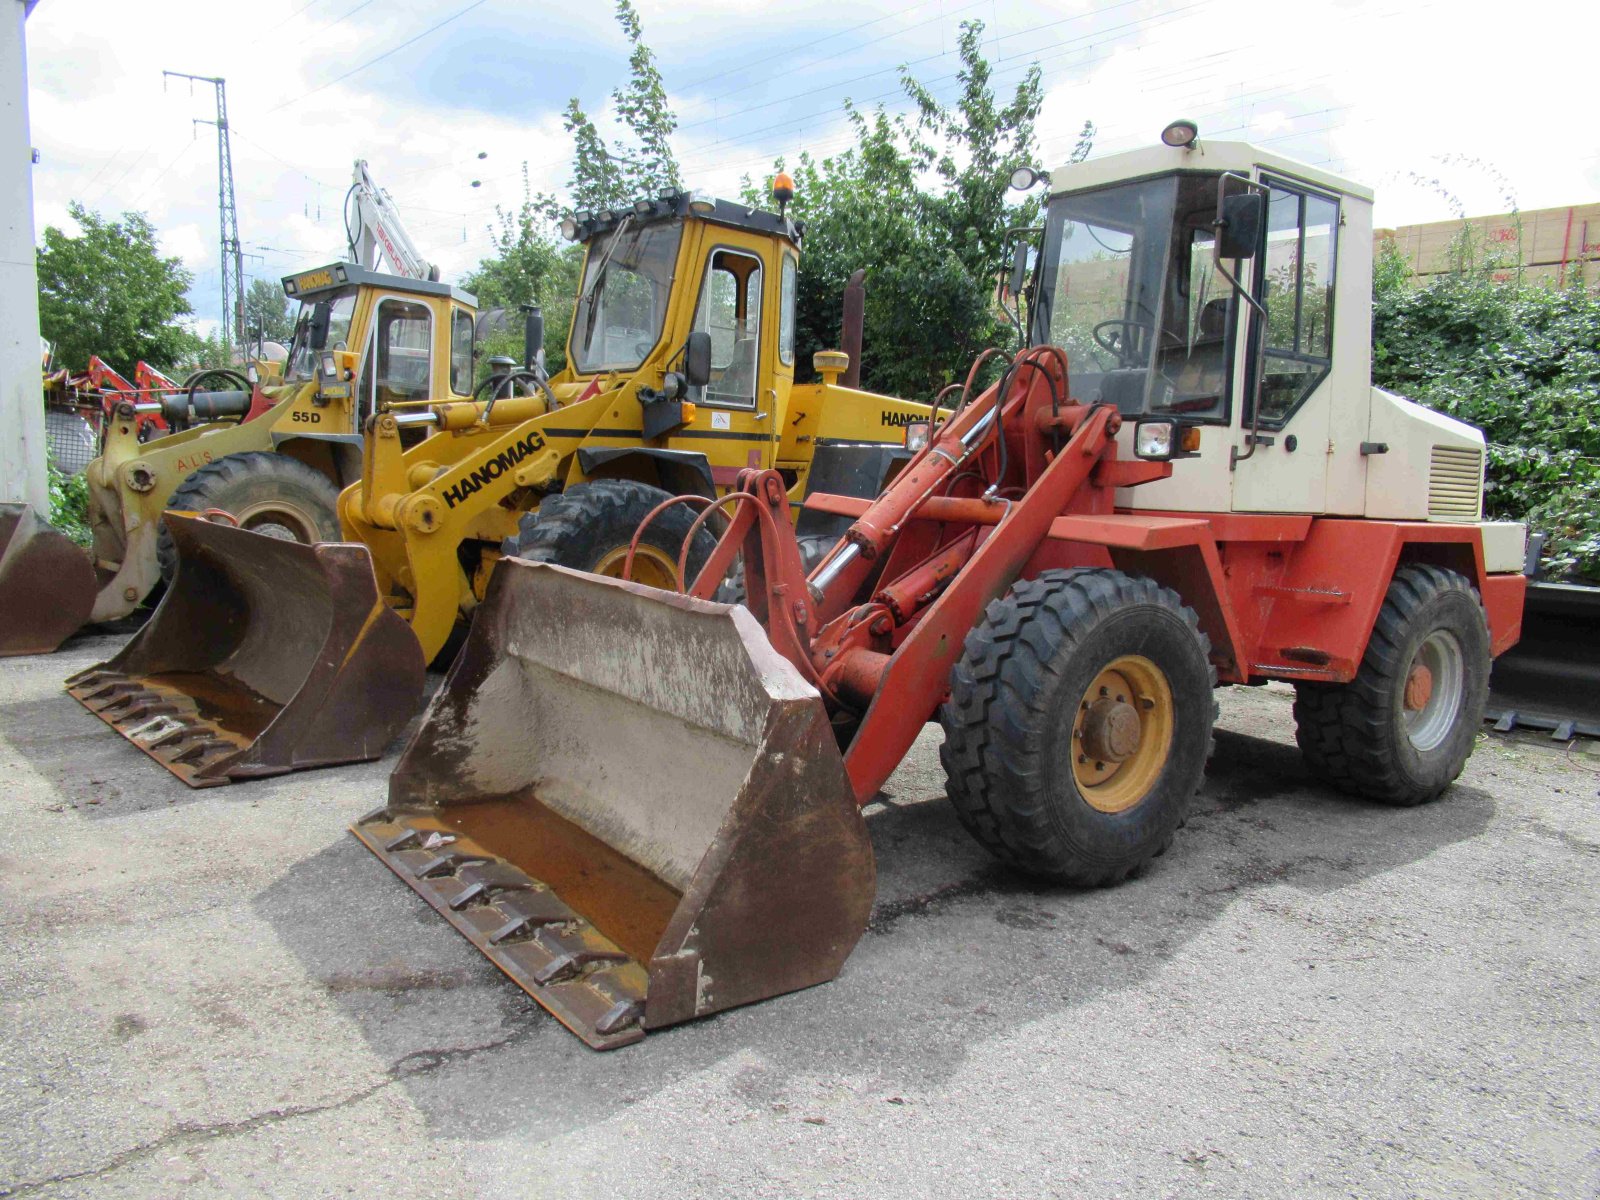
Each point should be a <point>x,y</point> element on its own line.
<point>1239,225</point>
<point>321,314</point>
<point>697,359</point>
<point>1019,268</point>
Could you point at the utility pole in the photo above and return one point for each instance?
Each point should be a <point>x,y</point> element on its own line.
<point>233,330</point>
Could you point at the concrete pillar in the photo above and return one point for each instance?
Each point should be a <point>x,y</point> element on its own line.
<point>22,429</point>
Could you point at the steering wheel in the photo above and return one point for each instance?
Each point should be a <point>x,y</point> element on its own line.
<point>1114,338</point>
<point>643,348</point>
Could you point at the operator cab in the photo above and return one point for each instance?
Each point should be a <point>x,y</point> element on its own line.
<point>1131,287</point>
<point>1132,293</point>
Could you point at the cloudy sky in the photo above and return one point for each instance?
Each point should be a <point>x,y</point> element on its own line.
<point>447,99</point>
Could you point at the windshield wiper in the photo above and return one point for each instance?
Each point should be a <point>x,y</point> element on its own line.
<point>605,261</point>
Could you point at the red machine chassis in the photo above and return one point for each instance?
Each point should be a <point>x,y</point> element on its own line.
<point>1021,480</point>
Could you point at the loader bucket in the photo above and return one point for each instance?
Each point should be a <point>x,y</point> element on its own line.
<point>47,584</point>
<point>632,804</point>
<point>1551,678</point>
<point>264,656</point>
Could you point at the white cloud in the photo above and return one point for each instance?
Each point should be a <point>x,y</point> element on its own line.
<point>1376,89</point>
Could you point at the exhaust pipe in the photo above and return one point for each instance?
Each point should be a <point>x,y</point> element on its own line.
<point>47,583</point>
<point>264,656</point>
<point>631,804</point>
<point>851,326</point>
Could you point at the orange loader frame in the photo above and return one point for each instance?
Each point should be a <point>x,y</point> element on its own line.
<point>879,624</point>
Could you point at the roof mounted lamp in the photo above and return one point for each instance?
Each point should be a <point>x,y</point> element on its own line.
<point>702,203</point>
<point>782,190</point>
<point>1181,134</point>
<point>1024,178</point>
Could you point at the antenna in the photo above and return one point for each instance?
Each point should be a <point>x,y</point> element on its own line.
<point>233,325</point>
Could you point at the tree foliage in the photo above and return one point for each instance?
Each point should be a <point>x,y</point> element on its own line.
<point>529,265</point>
<point>921,202</point>
<point>1522,363</point>
<point>109,291</point>
<point>644,163</point>
<point>266,312</point>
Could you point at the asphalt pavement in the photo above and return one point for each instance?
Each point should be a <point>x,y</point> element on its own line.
<point>222,993</point>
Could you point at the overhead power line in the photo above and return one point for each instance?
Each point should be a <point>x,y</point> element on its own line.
<point>456,16</point>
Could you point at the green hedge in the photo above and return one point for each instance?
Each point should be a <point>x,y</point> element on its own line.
<point>1522,363</point>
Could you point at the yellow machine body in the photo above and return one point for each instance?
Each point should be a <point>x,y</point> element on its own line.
<point>435,514</point>
<point>309,414</point>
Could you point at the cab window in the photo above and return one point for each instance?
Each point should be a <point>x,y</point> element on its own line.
<point>461,353</point>
<point>400,367</point>
<point>1296,282</point>
<point>730,311</point>
<point>786,312</point>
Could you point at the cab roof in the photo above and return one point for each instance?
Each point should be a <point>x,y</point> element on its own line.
<point>676,203</point>
<point>1203,155</point>
<point>310,284</point>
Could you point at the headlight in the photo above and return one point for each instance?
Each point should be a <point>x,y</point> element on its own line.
<point>916,435</point>
<point>1153,439</point>
<point>1163,440</point>
<point>569,229</point>
<point>330,368</point>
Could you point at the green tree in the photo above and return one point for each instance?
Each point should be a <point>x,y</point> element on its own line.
<point>266,312</point>
<point>528,265</point>
<point>923,204</point>
<point>110,292</point>
<point>645,164</point>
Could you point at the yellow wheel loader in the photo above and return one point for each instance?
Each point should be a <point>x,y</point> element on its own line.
<point>680,374</point>
<point>274,454</point>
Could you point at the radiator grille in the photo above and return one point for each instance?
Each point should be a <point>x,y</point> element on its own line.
<point>1455,483</point>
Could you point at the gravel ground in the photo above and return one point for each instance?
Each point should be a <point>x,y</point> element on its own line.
<point>221,993</point>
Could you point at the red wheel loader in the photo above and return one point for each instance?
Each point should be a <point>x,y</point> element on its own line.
<point>645,807</point>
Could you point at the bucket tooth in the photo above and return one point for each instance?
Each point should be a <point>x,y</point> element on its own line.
<point>47,584</point>
<point>264,656</point>
<point>660,806</point>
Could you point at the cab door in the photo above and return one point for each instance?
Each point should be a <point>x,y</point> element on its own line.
<point>738,305</point>
<point>1292,376</point>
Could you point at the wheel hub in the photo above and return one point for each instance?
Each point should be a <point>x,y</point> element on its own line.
<point>1419,687</point>
<point>1110,730</point>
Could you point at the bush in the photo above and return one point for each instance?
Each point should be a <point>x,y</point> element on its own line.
<point>1522,363</point>
<point>69,505</point>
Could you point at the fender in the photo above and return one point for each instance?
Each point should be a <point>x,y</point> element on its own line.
<point>682,472</point>
<point>859,469</point>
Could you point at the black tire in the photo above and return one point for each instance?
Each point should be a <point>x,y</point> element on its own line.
<point>1012,743</point>
<point>814,548</point>
<point>270,493</point>
<point>1356,736</point>
<point>588,528</point>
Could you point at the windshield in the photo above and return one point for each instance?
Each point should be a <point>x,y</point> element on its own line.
<point>1130,291</point>
<point>623,302</point>
<point>302,360</point>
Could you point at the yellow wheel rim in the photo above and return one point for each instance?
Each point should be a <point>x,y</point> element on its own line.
<point>653,567</point>
<point>1122,733</point>
<point>281,519</point>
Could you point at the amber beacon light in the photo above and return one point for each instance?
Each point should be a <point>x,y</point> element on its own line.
<point>783,189</point>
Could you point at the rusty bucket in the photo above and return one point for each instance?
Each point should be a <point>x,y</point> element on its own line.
<point>47,584</point>
<point>264,656</point>
<point>631,804</point>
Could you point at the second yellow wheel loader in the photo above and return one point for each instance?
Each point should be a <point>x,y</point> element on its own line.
<point>680,374</point>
